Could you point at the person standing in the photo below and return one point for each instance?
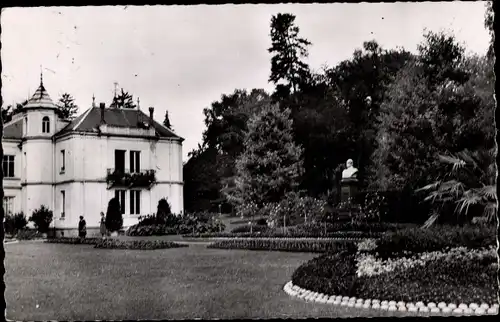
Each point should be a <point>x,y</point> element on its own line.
<point>82,228</point>
<point>102,226</point>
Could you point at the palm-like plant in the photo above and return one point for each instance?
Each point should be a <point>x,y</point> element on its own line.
<point>470,181</point>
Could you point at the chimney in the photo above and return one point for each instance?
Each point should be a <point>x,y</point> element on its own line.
<point>151,111</point>
<point>102,106</point>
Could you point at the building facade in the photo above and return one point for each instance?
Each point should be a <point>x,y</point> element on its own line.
<point>74,167</point>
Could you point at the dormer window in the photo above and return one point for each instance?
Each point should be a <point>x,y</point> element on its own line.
<point>45,124</point>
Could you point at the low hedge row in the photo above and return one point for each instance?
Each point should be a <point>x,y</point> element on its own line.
<point>310,246</point>
<point>137,244</point>
<point>73,240</point>
<point>398,243</point>
<point>291,234</point>
<point>151,230</point>
<point>28,234</point>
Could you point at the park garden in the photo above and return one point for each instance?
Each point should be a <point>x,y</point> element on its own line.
<point>418,234</point>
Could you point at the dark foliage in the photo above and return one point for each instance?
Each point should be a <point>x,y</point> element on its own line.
<point>434,239</point>
<point>333,274</point>
<point>14,223</point>
<point>137,244</point>
<point>41,218</point>
<point>114,218</point>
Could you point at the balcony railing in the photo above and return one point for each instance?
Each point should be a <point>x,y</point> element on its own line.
<point>127,179</point>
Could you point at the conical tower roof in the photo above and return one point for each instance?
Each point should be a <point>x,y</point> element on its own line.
<point>41,98</point>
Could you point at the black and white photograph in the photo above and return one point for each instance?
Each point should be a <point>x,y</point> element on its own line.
<point>249,161</point>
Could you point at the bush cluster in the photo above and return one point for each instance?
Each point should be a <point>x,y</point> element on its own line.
<point>15,223</point>
<point>292,245</point>
<point>433,239</point>
<point>41,218</point>
<point>170,224</point>
<point>295,209</point>
<point>73,240</point>
<point>333,274</point>
<point>137,244</point>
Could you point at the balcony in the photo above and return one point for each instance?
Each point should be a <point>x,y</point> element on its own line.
<point>127,179</point>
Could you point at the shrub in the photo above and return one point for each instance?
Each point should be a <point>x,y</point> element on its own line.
<point>246,228</point>
<point>296,209</point>
<point>14,223</point>
<point>137,244</point>
<point>333,274</point>
<point>28,234</point>
<point>163,211</point>
<point>114,218</point>
<point>42,218</point>
<point>435,238</point>
<point>292,245</point>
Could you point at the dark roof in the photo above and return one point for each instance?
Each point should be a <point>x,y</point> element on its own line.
<point>13,130</point>
<point>90,120</point>
<point>41,98</point>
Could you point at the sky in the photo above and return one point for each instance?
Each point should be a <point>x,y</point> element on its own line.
<point>183,58</point>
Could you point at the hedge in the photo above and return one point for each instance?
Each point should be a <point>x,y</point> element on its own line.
<point>137,244</point>
<point>395,244</point>
<point>290,234</point>
<point>73,240</point>
<point>293,245</point>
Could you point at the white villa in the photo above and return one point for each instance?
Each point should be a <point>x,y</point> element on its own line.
<point>74,167</point>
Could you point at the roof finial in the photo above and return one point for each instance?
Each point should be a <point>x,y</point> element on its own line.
<point>93,100</point>
<point>41,75</point>
<point>138,106</point>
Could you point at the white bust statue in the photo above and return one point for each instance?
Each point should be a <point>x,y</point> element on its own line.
<point>350,171</point>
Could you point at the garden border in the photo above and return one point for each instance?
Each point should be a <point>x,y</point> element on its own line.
<point>286,238</point>
<point>431,307</point>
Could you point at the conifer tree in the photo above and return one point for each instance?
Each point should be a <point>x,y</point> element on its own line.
<point>271,163</point>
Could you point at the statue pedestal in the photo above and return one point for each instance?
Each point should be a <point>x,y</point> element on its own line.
<point>348,189</point>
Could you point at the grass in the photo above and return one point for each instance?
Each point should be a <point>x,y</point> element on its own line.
<point>78,282</point>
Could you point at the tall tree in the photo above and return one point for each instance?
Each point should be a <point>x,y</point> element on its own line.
<point>288,50</point>
<point>439,108</point>
<point>271,164</point>
<point>166,121</point>
<point>123,100</point>
<point>66,106</point>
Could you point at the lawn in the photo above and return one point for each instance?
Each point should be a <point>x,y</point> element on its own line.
<point>78,282</point>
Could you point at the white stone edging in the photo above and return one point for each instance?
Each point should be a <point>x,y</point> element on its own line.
<point>462,309</point>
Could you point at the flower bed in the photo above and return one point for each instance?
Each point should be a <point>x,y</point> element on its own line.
<point>289,245</point>
<point>73,240</point>
<point>290,234</point>
<point>422,267</point>
<point>137,244</point>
